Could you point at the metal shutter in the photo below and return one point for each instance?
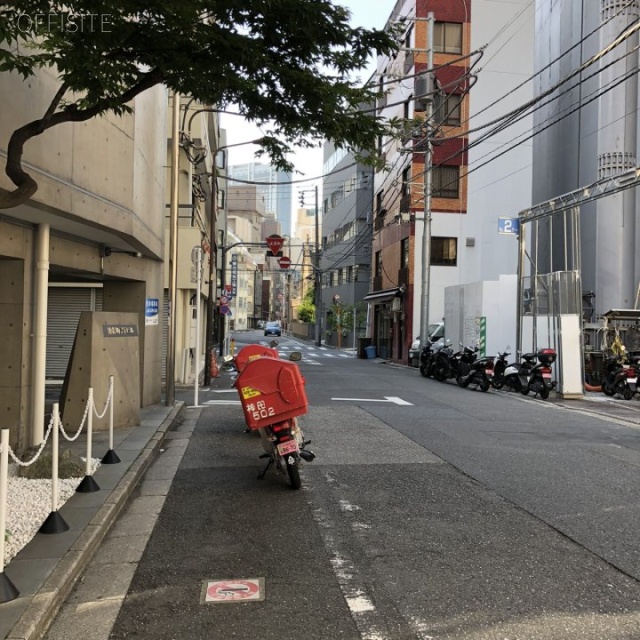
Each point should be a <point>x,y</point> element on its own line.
<point>63,313</point>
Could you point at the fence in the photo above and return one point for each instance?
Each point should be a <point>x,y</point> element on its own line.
<point>54,522</point>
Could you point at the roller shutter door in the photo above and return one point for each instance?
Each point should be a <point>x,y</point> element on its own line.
<point>63,313</point>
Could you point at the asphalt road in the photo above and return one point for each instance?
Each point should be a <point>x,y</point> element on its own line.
<point>430,512</point>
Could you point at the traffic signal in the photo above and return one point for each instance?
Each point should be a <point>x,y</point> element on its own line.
<point>301,198</point>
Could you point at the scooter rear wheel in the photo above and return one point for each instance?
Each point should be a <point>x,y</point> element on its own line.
<point>440,373</point>
<point>525,390</point>
<point>293,471</point>
<point>544,393</point>
<point>484,385</point>
<point>424,370</point>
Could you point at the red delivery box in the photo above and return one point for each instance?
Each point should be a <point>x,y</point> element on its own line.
<point>271,390</point>
<point>251,352</point>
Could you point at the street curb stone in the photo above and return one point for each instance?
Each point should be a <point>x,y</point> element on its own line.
<point>44,606</point>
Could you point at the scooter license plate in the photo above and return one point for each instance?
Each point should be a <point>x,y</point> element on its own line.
<point>489,373</point>
<point>546,376</point>
<point>632,380</point>
<point>290,446</point>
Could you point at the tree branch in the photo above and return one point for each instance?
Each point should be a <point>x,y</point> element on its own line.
<point>26,186</point>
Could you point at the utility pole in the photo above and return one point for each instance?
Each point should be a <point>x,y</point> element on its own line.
<point>318,280</point>
<point>427,181</point>
<point>173,254</point>
<point>213,254</point>
<point>317,276</point>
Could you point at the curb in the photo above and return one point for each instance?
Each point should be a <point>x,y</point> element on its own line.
<point>39,614</point>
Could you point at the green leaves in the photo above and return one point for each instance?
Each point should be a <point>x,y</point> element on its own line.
<point>287,64</point>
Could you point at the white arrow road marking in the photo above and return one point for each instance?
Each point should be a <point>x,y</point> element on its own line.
<point>393,399</point>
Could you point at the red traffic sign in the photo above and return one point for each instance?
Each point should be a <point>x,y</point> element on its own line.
<point>274,242</point>
<point>284,262</point>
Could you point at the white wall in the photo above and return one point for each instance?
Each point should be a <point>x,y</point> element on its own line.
<point>502,187</point>
<point>495,300</point>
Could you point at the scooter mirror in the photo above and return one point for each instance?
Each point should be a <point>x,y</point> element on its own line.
<point>295,356</point>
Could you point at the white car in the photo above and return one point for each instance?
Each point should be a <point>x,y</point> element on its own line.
<point>436,335</point>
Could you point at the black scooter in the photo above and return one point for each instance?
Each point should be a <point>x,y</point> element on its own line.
<point>479,373</point>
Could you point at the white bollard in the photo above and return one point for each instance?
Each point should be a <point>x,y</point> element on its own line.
<point>113,395</point>
<point>54,523</point>
<point>54,457</point>
<point>111,457</point>
<point>88,484</point>
<point>89,431</point>
<point>4,481</point>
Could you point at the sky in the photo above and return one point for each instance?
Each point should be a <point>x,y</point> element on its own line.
<point>365,13</point>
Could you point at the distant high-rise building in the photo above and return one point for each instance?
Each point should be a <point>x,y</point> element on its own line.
<point>276,191</point>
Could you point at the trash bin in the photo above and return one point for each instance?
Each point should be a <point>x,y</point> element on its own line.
<point>271,390</point>
<point>363,343</point>
<point>370,351</point>
<point>251,352</point>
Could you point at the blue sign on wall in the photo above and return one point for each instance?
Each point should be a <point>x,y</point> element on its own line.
<point>509,225</point>
<point>151,311</point>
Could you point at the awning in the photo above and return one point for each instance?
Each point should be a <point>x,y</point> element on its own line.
<point>383,295</point>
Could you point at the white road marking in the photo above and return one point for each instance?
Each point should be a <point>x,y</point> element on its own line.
<point>224,390</point>
<point>393,399</point>
<point>222,402</point>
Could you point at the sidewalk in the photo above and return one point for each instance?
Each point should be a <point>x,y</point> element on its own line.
<point>46,569</point>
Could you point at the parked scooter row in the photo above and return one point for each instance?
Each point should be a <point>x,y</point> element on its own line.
<point>532,374</point>
<point>621,377</point>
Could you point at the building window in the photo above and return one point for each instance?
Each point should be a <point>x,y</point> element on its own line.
<point>404,253</point>
<point>448,109</point>
<point>445,182</point>
<point>408,38</point>
<point>349,274</point>
<point>379,203</point>
<point>378,266</point>
<point>405,189</point>
<point>447,37</point>
<point>444,252</point>
<point>339,276</point>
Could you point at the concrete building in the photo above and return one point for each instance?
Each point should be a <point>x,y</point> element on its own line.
<point>198,143</point>
<point>346,243</point>
<point>588,131</point>
<point>275,190</point>
<point>396,294</point>
<point>90,238</point>
<point>474,180</point>
<point>246,217</point>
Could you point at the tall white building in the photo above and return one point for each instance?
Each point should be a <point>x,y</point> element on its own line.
<point>588,130</point>
<point>272,184</point>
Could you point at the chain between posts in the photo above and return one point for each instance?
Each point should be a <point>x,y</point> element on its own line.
<point>107,402</point>
<point>27,463</point>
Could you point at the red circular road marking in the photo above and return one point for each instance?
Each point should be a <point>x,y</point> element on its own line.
<point>232,590</point>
